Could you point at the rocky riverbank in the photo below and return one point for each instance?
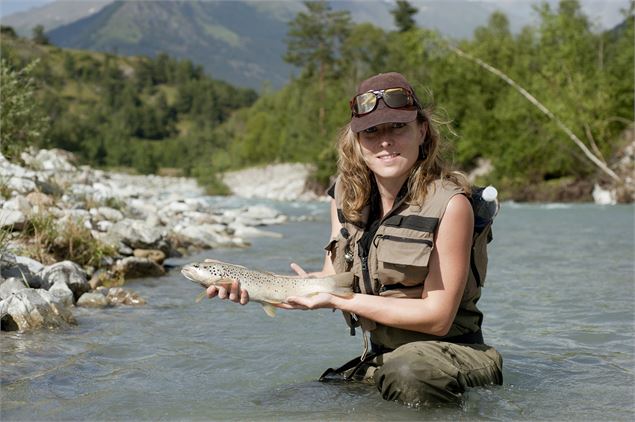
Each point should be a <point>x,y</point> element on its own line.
<point>71,236</point>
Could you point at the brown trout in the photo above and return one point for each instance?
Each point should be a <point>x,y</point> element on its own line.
<point>266,288</point>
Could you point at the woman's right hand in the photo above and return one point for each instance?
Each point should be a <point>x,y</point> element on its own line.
<point>233,293</point>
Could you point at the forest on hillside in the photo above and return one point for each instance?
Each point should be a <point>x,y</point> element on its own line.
<point>157,113</point>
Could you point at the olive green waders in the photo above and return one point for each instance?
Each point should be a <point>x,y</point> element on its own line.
<point>425,371</point>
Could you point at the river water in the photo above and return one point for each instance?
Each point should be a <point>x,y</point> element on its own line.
<point>558,303</point>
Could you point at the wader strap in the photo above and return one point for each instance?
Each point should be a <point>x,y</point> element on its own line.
<point>366,348</point>
<point>352,367</point>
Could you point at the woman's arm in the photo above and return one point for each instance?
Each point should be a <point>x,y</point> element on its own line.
<point>443,288</point>
<point>327,267</point>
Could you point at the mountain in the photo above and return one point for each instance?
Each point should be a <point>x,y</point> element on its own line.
<point>238,41</point>
<point>49,14</point>
<point>242,41</point>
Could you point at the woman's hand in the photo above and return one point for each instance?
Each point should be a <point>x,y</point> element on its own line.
<point>232,292</point>
<point>317,301</point>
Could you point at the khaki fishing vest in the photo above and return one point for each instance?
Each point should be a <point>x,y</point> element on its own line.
<point>397,263</point>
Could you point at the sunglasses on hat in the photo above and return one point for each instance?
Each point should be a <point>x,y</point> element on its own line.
<point>393,97</point>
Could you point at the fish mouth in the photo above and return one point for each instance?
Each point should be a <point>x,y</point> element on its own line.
<point>198,275</point>
<point>189,271</point>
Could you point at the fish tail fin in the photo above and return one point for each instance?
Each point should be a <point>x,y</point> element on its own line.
<point>343,284</point>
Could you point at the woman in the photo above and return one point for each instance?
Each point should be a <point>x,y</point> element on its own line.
<point>403,224</point>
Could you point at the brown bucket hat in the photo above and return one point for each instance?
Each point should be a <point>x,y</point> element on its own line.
<point>382,113</point>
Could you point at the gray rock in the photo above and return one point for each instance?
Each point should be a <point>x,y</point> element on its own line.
<point>121,296</point>
<point>56,160</point>
<point>33,265</point>
<point>248,231</point>
<point>68,272</point>
<point>60,290</point>
<point>21,272</point>
<point>133,267</point>
<point>21,185</point>
<point>31,309</point>
<point>261,212</point>
<point>104,225</point>
<point>155,255</point>
<point>93,300</point>
<point>137,234</point>
<point>287,181</point>
<point>107,213</point>
<point>18,203</point>
<point>203,236</point>
<point>10,286</point>
<point>12,219</point>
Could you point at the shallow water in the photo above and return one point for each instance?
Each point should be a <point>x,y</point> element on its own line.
<point>558,303</point>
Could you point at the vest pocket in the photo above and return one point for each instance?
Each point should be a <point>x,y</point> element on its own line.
<point>402,260</point>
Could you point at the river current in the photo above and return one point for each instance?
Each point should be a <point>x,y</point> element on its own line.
<point>559,306</point>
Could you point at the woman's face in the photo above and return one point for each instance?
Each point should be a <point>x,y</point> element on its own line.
<point>391,149</point>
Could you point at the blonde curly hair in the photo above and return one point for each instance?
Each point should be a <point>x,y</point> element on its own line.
<point>352,169</point>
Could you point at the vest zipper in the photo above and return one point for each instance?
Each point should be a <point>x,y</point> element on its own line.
<point>363,256</point>
<point>402,239</point>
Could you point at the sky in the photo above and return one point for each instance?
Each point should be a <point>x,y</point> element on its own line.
<point>605,12</point>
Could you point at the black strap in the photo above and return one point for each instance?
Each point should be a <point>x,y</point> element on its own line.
<point>354,364</point>
<point>413,222</point>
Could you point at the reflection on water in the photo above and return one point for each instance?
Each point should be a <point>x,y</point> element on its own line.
<point>558,305</point>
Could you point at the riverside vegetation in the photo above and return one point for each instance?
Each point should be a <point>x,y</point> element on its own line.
<point>151,114</point>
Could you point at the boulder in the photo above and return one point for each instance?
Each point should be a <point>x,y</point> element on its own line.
<point>60,290</point>
<point>204,236</point>
<point>31,309</point>
<point>18,203</point>
<point>55,160</point>
<point>133,267</point>
<point>248,231</point>
<point>10,286</point>
<point>68,272</point>
<point>10,267</point>
<point>12,219</point>
<point>106,213</point>
<point>152,254</point>
<point>121,296</point>
<point>33,265</point>
<point>39,199</point>
<point>138,234</point>
<point>287,181</point>
<point>93,300</point>
<point>21,185</point>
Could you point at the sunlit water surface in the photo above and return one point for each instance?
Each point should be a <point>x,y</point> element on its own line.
<point>559,306</point>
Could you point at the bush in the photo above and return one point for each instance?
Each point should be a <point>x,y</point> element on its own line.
<point>48,243</point>
<point>22,123</point>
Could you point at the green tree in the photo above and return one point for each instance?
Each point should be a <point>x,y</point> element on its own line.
<point>403,14</point>
<point>39,37</point>
<point>22,122</point>
<point>313,43</point>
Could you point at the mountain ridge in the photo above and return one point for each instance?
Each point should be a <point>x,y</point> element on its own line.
<point>241,42</point>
